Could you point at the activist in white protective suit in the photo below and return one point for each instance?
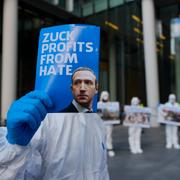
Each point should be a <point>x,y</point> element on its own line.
<point>104,98</point>
<point>37,145</point>
<point>172,130</point>
<point>134,133</point>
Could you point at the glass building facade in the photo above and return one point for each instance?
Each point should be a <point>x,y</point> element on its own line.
<point>122,68</point>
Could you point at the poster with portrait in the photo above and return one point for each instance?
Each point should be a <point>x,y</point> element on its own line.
<point>109,112</point>
<point>137,116</point>
<point>61,50</point>
<point>169,114</point>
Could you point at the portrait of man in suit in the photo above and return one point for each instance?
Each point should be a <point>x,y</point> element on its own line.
<point>84,86</point>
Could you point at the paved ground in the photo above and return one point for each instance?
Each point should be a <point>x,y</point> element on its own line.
<point>156,163</point>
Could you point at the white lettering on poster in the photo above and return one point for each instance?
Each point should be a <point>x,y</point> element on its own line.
<point>59,51</point>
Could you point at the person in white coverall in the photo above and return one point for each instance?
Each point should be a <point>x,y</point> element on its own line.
<point>172,130</point>
<point>104,98</point>
<point>134,133</point>
<point>55,146</point>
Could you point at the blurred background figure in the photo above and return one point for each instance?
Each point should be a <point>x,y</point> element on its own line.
<point>172,130</point>
<point>134,132</point>
<point>104,98</point>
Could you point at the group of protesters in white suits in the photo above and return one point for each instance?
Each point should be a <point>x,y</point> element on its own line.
<point>136,117</point>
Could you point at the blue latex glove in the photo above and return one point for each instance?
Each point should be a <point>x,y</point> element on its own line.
<point>25,115</point>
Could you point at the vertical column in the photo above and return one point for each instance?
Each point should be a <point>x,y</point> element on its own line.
<point>151,69</point>
<point>112,70</point>
<point>9,55</point>
<point>122,74</point>
<point>70,5</point>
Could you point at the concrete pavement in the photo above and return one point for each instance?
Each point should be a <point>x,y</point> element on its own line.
<point>156,162</point>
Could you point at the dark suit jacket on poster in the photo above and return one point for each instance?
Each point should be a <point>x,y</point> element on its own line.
<point>70,108</point>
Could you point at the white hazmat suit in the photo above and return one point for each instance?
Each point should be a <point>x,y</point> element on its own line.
<point>67,146</point>
<point>134,133</point>
<point>172,130</point>
<point>104,98</point>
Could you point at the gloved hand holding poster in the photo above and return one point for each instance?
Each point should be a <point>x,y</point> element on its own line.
<point>63,49</point>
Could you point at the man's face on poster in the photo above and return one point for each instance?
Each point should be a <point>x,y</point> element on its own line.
<point>84,87</point>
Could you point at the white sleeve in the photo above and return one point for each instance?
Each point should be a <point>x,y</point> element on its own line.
<point>18,162</point>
